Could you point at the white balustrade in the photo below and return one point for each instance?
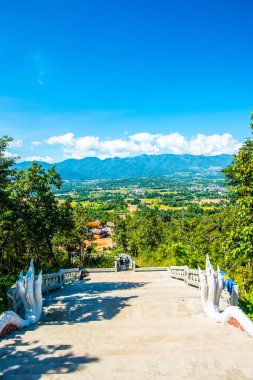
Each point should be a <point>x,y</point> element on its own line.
<point>71,274</point>
<point>191,277</point>
<point>50,281</point>
<point>211,286</point>
<point>29,292</point>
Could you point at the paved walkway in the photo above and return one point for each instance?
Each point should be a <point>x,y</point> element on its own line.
<point>127,326</point>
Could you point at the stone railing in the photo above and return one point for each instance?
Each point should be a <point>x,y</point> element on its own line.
<point>177,272</point>
<point>50,282</point>
<point>191,277</point>
<point>150,269</point>
<point>99,270</point>
<point>70,274</point>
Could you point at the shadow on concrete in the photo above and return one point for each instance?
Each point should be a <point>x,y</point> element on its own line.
<point>21,360</point>
<point>85,302</point>
<point>90,287</point>
<point>85,309</point>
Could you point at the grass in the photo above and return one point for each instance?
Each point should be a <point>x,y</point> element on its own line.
<point>153,201</point>
<point>175,208</point>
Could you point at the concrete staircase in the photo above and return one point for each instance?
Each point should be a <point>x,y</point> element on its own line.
<point>127,325</point>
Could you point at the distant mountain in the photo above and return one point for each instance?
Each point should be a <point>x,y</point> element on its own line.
<point>25,164</point>
<point>145,165</point>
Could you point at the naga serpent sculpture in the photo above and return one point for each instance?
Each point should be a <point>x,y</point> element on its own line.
<point>211,287</point>
<point>31,295</point>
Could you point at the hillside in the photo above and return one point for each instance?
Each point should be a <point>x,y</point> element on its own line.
<point>145,165</point>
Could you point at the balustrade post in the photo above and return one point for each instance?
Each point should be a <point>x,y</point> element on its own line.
<point>46,285</point>
<point>186,275</point>
<point>234,296</point>
<point>62,277</point>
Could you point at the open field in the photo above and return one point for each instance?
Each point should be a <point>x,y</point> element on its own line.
<point>165,193</point>
<point>175,208</point>
<point>217,201</point>
<point>132,208</point>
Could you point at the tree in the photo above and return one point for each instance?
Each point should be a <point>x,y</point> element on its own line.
<point>120,233</point>
<point>33,224</point>
<point>38,210</point>
<point>239,241</point>
<point>7,207</point>
<point>5,171</point>
<point>68,236</point>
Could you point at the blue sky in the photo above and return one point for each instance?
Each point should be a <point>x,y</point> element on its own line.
<point>120,78</point>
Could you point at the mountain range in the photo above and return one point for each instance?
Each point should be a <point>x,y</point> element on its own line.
<point>91,168</point>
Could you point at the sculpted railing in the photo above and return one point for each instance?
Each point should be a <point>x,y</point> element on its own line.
<point>50,282</point>
<point>211,287</point>
<point>214,287</point>
<point>192,277</point>
<point>27,293</point>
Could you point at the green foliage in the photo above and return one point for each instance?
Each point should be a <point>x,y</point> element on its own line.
<point>247,304</point>
<point>99,261</point>
<point>6,283</point>
<point>156,241</point>
<point>227,236</point>
<point>239,175</point>
<point>31,220</point>
<point>34,224</point>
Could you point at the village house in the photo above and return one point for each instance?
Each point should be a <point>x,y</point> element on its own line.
<point>98,233</point>
<point>110,224</point>
<point>94,224</point>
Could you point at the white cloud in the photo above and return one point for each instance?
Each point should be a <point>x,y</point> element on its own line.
<point>75,148</point>
<point>87,143</point>
<point>173,143</point>
<point>143,137</point>
<point>144,143</point>
<point>47,159</point>
<point>15,143</point>
<point>36,143</point>
<point>65,140</point>
<point>214,144</point>
<point>120,148</point>
<point>10,155</point>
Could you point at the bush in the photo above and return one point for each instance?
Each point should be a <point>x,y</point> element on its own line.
<point>6,283</point>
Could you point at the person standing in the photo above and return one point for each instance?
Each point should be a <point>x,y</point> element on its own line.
<point>127,262</point>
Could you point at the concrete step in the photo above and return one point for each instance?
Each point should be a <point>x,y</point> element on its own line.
<point>127,326</point>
